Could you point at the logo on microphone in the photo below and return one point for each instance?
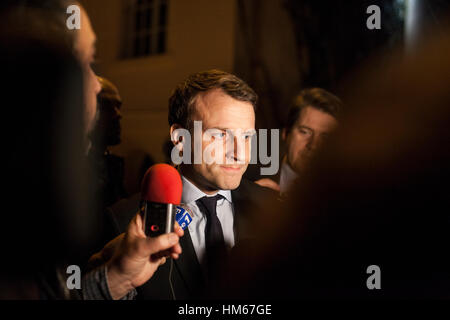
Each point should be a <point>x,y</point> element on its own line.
<point>183,217</point>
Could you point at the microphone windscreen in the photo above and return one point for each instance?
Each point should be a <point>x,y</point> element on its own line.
<point>162,184</point>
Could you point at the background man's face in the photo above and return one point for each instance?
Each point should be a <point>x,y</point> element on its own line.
<point>107,129</point>
<point>218,113</point>
<point>306,135</point>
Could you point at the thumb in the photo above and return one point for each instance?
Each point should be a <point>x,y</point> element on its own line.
<point>135,227</point>
<point>160,243</point>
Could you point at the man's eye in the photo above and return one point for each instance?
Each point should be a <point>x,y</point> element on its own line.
<point>219,135</point>
<point>305,132</point>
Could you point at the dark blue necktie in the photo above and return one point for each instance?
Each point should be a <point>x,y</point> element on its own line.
<point>214,240</point>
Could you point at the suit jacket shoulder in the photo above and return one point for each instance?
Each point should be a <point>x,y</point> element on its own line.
<point>252,192</point>
<point>250,203</point>
<point>248,197</point>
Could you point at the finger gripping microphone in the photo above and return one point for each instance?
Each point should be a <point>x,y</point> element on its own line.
<point>160,193</point>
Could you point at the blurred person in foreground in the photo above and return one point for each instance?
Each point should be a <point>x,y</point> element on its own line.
<point>376,195</point>
<point>51,122</point>
<point>311,119</point>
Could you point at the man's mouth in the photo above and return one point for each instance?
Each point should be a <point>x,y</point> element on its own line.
<point>231,168</point>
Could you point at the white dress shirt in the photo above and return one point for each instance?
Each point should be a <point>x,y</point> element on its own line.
<point>224,210</point>
<point>287,177</point>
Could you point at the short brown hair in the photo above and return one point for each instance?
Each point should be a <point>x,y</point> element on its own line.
<point>183,97</point>
<point>317,98</point>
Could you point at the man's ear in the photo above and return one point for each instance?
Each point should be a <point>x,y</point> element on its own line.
<point>176,139</point>
<point>283,134</point>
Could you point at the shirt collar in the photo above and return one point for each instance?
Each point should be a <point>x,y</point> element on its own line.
<point>287,176</point>
<point>191,193</point>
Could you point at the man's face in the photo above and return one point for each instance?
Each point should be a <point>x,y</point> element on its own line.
<point>231,124</point>
<point>306,135</point>
<point>85,49</point>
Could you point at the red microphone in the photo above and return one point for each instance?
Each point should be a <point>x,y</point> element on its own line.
<point>160,192</point>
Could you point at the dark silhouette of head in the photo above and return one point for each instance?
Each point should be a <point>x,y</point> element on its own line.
<point>42,85</point>
<point>107,128</point>
<point>45,147</point>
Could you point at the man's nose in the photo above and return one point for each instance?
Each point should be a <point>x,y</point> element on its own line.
<point>312,143</point>
<point>97,85</point>
<point>238,149</point>
<point>315,143</point>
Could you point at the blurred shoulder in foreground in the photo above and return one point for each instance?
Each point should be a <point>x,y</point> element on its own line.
<point>376,195</point>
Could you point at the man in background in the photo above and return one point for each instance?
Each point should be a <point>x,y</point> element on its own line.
<point>106,133</point>
<point>310,120</point>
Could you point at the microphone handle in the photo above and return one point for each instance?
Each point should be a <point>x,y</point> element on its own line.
<point>158,218</point>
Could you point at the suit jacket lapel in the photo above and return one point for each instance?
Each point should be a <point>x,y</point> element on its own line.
<point>188,266</point>
<point>245,200</point>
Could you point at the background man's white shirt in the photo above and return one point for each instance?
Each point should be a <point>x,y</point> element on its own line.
<point>287,177</point>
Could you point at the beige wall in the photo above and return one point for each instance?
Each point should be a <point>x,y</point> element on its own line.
<point>200,36</point>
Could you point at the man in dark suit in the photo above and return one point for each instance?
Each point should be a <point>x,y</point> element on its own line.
<point>223,207</point>
<point>311,118</point>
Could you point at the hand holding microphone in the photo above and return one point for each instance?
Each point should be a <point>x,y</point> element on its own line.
<point>136,256</point>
